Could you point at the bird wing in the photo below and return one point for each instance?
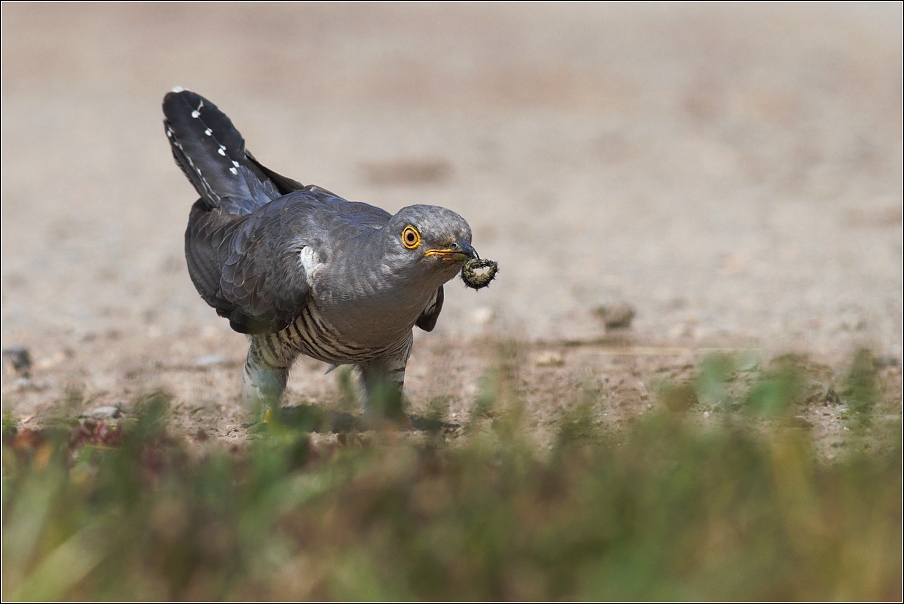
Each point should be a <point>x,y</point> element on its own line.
<point>248,267</point>
<point>251,268</point>
<point>427,320</point>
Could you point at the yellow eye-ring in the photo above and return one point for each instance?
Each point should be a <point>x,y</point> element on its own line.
<point>410,237</point>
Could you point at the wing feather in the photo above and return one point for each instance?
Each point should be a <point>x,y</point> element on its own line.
<point>427,320</point>
<point>249,267</point>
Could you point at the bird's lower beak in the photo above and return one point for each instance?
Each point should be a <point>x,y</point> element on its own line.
<point>459,251</point>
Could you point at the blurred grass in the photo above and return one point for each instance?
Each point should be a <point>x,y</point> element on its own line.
<point>665,508</point>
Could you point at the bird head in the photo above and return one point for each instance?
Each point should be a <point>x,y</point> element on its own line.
<point>429,240</point>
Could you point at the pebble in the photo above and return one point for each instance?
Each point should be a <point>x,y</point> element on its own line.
<point>211,359</point>
<point>104,413</point>
<point>18,359</point>
<point>549,358</point>
<point>616,316</point>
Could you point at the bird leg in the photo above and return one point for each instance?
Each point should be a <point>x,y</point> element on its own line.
<point>266,372</point>
<point>383,381</point>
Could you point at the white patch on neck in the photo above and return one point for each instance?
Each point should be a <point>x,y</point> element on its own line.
<point>309,261</point>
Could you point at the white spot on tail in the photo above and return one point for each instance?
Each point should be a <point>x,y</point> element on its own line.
<point>234,171</point>
<point>235,163</point>
<point>178,89</point>
<point>195,114</point>
<point>208,132</point>
<point>221,151</point>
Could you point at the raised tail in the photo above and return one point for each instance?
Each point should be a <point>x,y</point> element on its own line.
<point>211,153</point>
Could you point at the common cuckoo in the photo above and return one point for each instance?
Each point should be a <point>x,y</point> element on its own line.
<point>301,270</point>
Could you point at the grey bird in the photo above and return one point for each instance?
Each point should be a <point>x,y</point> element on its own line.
<point>301,270</point>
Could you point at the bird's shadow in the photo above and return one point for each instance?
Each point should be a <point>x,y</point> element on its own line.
<point>316,418</point>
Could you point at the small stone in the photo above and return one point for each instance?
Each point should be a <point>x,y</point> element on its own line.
<point>549,358</point>
<point>616,316</point>
<point>18,359</point>
<point>104,413</point>
<point>831,397</point>
<point>211,359</point>
<point>51,361</point>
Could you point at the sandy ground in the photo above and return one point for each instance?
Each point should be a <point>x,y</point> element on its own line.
<point>733,173</point>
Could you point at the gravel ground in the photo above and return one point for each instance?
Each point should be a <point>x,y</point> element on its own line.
<point>733,174</point>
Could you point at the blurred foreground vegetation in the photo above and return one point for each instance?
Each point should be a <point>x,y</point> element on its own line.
<point>666,507</point>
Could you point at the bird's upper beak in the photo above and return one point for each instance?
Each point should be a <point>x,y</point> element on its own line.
<point>459,251</point>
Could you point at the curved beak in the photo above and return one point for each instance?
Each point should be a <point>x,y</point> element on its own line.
<point>458,251</point>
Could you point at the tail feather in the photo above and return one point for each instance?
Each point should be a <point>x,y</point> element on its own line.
<point>284,184</point>
<point>211,153</point>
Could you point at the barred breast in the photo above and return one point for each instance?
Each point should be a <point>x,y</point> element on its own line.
<point>312,335</point>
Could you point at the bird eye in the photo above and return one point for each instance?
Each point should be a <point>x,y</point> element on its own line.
<point>410,237</point>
